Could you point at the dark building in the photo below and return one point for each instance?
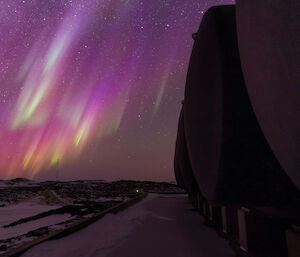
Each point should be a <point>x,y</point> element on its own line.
<point>238,135</point>
<point>269,43</point>
<point>182,166</point>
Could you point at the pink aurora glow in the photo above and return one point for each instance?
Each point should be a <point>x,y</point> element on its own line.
<point>70,71</point>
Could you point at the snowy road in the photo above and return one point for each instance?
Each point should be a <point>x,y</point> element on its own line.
<point>158,226</point>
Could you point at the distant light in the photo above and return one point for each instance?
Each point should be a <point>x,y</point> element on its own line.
<point>137,190</point>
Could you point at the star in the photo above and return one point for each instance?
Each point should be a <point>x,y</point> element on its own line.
<point>77,76</point>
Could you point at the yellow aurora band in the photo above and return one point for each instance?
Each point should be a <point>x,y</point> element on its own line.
<point>75,71</point>
<point>52,130</point>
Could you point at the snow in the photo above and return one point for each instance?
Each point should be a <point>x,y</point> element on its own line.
<point>24,228</point>
<point>14,212</point>
<point>160,225</point>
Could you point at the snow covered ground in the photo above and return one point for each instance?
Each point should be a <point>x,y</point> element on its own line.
<point>26,227</point>
<point>28,208</point>
<point>158,226</point>
<point>16,235</point>
<point>31,210</point>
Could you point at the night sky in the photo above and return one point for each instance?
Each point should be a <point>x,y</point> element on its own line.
<point>91,89</point>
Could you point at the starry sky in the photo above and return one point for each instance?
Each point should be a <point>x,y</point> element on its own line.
<point>92,89</point>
